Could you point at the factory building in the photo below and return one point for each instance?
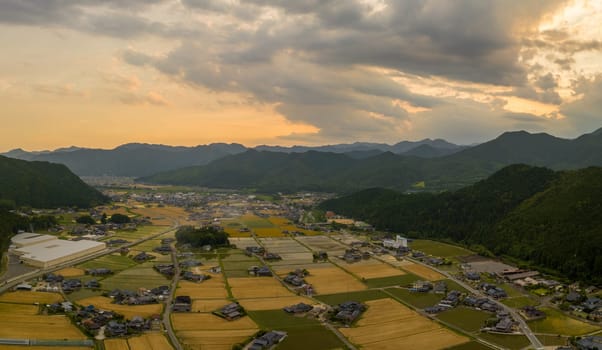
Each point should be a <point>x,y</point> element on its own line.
<point>44,251</point>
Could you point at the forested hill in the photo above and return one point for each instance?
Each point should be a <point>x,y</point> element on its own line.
<point>431,171</point>
<point>546,218</point>
<point>44,185</point>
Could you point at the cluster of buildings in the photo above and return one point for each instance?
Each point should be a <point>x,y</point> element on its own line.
<point>267,340</point>
<point>92,319</point>
<point>230,312</point>
<point>348,312</point>
<point>141,297</point>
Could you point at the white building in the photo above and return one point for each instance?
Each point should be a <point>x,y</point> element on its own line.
<point>396,243</point>
<point>45,251</point>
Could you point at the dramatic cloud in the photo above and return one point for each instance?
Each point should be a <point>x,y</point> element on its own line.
<point>379,70</point>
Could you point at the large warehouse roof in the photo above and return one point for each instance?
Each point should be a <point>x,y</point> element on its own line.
<point>51,250</point>
<point>28,238</point>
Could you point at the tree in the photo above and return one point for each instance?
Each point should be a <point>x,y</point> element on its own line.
<point>120,219</point>
<point>201,237</point>
<point>103,219</point>
<point>85,220</point>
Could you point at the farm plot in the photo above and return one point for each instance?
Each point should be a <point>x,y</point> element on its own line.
<point>207,331</point>
<point>114,262</point>
<point>208,305</point>
<point>149,341</point>
<point>368,269</point>
<point>330,280</point>
<point>558,323</point>
<point>128,311</point>
<point>164,215</point>
<point>25,297</point>
<point>38,327</point>
<point>20,347</point>
<point>390,259</point>
<point>213,288</point>
<point>238,264</point>
<point>272,303</point>
<point>389,325</point>
<point>347,238</point>
<point>291,251</point>
<point>257,287</point>
<point>242,242</point>
<point>323,243</point>
<point>141,276</point>
<point>422,271</point>
<point>71,272</point>
<point>116,344</point>
<point>139,233</point>
<point>439,249</point>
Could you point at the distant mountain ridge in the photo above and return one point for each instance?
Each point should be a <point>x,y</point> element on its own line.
<point>44,185</point>
<point>340,172</point>
<point>142,159</point>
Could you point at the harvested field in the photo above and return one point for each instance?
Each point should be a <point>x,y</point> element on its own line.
<point>272,303</point>
<point>207,331</point>
<point>164,215</point>
<point>71,272</point>
<point>257,287</point>
<point>333,280</point>
<point>38,327</point>
<point>24,297</point>
<point>116,344</point>
<point>208,305</point>
<point>213,288</point>
<point>115,262</point>
<point>423,272</point>
<point>389,325</point>
<point>324,243</point>
<point>149,341</point>
<point>242,242</point>
<point>128,311</point>
<point>19,347</point>
<point>372,269</point>
<point>18,309</point>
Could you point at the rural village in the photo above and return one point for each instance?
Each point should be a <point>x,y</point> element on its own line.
<point>291,277</point>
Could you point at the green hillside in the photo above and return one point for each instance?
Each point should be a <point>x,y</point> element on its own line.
<point>44,185</point>
<point>546,218</point>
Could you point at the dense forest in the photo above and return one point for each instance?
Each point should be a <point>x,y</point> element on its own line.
<point>11,223</point>
<point>201,237</point>
<point>44,185</point>
<point>544,218</point>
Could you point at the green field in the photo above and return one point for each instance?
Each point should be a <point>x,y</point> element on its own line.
<point>512,291</point>
<point>558,323</point>
<point>513,342</point>
<point>417,300</point>
<point>114,262</point>
<point>141,276</point>
<point>361,296</point>
<point>254,221</point>
<point>443,250</point>
<point>469,320</point>
<point>519,302</point>
<point>139,233</point>
<point>549,340</point>
<point>303,333</point>
<point>473,345</point>
<point>452,285</point>
<point>402,280</point>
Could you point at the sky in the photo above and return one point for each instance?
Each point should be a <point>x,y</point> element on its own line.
<point>308,72</point>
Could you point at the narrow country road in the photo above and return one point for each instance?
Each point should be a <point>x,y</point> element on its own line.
<point>168,303</point>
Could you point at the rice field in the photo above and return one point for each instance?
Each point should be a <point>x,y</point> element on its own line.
<point>389,325</point>
<point>558,323</point>
<point>368,269</point>
<point>18,326</point>
<point>26,297</point>
<point>213,288</point>
<point>115,262</point>
<point>257,304</point>
<point>140,276</point>
<point>149,341</point>
<point>323,243</point>
<point>207,331</point>
<point>422,271</point>
<point>330,280</point>
<point>71,272</point>
<point>257,287</point>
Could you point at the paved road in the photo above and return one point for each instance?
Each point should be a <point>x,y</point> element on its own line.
<point>168,303</point>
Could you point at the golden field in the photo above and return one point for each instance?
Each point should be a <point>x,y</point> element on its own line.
<point>38,327</point>
<point>207,331</point>
<point>332,280</point>
<point>71,272</point>
<point>389,325</point>
<point>25,297</point>
<point>149,341</point>
<point>213,288</point>
<point>116,344</point>
<point>372,269</point>
<point>257,287</point>
<point>208,305</point>
<point>422,271</point>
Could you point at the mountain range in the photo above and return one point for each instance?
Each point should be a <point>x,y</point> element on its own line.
<point>540,217</point>
<point>137,159</point>
<point>343,172</point>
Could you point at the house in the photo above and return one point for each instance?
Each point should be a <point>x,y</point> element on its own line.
<point>504,325</point>
<point>254,250</point>
<point>138,324</point>
<point>298,308</point>
<point>231,312</point>
<point>272,257</point>
<point>320,256</point>
<point>115,329</point>
<point>98,272</point>
<point>421,286</point>
<point>472,276</point>
<point>349,311</point>
<point>262,271</point>
<point>92,284</point>
<point>267,340</point>
<point>440,287</point>
<point>530,313</point>
<point>165,269</point>
<point>143,256</point>
<point>435,309</point>
<point>182,303</point>
<point>294,280</point>
<point>23,286</point>
<point>589,343</point>
<point>452,299</point>
<point>573,297</point>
